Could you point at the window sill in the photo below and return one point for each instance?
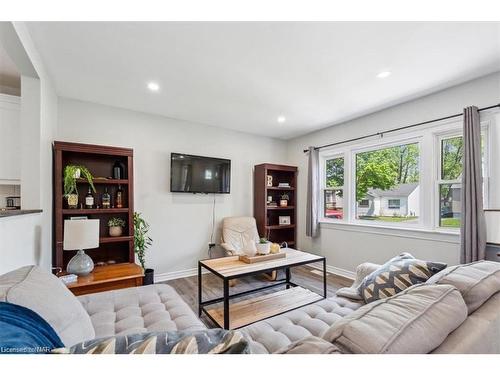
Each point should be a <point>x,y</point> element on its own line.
<point>450,236</point>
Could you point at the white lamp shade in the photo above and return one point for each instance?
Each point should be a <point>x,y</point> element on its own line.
<point>81,234</point>
<point>492,226</point>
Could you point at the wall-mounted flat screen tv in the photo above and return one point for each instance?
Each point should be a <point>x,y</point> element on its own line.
<point>199,174</point>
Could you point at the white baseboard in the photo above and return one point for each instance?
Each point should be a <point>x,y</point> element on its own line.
<point>175,275</point>
<point>336,271</point>
<point>194,271</point>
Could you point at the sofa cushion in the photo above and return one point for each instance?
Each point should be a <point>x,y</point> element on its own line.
<point>477,281</point>
<point>415,321</point>
<point>363,270</point>
<point>274,334</point>
<point>45,294</point>
<point>148,308</point>
<point>310,345</point>
<point>208,341</point>
<point>396,275</point>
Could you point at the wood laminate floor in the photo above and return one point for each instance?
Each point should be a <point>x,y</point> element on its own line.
<point>304,276</point>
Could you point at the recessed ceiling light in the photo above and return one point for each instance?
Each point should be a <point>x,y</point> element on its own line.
<point>384,74</point>
<point>281,119</point>
<point>153,86</point>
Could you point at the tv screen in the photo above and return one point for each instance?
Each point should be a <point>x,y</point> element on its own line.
<point>199,174</point>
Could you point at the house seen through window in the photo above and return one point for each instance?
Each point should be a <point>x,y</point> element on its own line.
<point>383,184</point>
<point>387,184</point>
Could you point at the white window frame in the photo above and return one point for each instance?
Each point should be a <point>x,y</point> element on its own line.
<point>440,136</point>
<point>393,142</point>
<point>428,137</point>
<point>323,187</point>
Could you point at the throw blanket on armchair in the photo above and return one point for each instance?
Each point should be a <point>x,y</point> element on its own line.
<point>23,331</point>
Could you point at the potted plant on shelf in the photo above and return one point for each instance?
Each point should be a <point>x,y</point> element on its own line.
<point>116,226</point>
<point>264,246</point>
<point>141,243</point>
<point>71,174</point>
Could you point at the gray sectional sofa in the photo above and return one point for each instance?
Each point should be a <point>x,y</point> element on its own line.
<point>457,311</point>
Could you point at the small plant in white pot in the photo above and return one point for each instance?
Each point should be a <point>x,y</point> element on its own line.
<point>116,225</point>
<point>264,246</point>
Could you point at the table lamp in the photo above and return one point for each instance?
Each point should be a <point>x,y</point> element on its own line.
<point>80,235</point>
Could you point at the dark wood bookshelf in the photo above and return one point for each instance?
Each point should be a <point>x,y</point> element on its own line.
<point>267,216</point>
<point>99,160</point>
<point>279,188</point>
<point>90,211</point>
<point>108,181</point>
<point>115,239</point>
<point>280,226</point>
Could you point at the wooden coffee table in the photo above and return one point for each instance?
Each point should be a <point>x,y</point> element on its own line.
<point>253,309</point>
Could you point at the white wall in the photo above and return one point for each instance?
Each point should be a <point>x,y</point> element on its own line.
<point>20,241</point>
<point>180,223</point>
<point>28,239</point>
<point>346,246</point>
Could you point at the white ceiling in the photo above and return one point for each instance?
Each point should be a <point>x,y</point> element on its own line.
<point>242,76</point>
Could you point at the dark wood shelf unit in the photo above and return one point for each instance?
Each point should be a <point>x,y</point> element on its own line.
<point>99,160</point>
<point>115,239</point>
<point>280,226</point>
<point>90,211</point>
<point>279,188</point>
<point>267,217</point>
<point>109,181</point>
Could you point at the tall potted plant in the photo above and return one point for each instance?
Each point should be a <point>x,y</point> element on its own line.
<point>71,174</point>
<point>141,243</point>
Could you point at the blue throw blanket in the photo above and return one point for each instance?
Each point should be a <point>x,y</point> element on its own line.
<point>23,331</point>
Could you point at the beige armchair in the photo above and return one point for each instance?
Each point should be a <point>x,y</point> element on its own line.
<point>236,232</point>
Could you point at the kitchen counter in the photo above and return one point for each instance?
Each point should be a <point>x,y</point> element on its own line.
<point>8,213</point>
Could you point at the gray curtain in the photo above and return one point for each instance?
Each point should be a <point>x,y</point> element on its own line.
<point>312,193</point>
<point>473,224</point>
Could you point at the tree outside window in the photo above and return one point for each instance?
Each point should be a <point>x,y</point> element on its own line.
<point>333,193</point>
<point>388,172</point>
<point>450,184</point>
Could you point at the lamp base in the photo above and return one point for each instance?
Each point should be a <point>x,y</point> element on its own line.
<point>81,264</point>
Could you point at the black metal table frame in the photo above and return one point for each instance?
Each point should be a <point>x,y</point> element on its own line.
<point>225,299</point>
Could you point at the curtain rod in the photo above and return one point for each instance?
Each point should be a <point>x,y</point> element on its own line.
<point>401,128</point>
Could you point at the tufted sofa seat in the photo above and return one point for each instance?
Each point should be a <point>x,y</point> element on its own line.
<point>134,310</point>
<point>273,334</point>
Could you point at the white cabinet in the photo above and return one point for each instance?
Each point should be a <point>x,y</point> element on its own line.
<point>10,133</point>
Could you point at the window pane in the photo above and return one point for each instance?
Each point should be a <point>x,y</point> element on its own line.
<point>334,204</point>
<point>335,172</point>
<point>387,184</point>
<point>449,205</point>
<point>394,203</point>
<point>452,153</point>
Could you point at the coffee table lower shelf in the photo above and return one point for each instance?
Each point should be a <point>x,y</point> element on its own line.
<point>264,306</point>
